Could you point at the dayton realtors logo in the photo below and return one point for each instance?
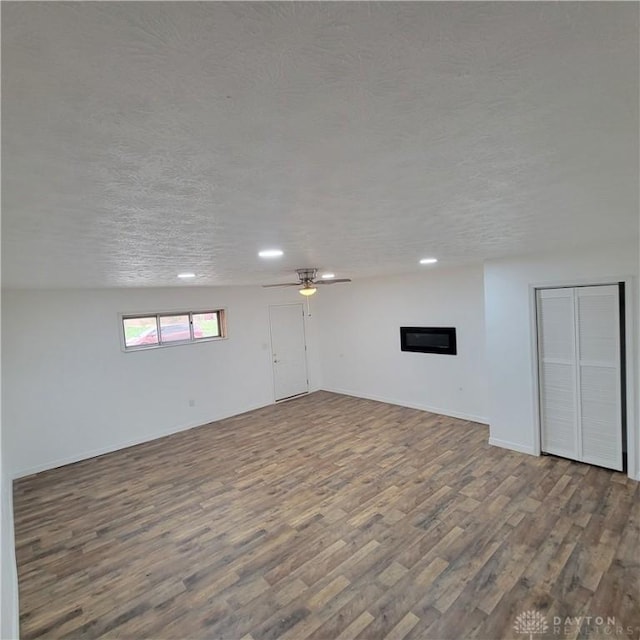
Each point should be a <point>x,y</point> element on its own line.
<point>531,623</point>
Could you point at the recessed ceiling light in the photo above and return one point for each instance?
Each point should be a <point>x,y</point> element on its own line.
<point>428,260</point>
<point>270,253</point>
<point>328,276</point>
<point>186,276</point>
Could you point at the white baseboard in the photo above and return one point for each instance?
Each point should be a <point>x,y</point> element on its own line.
<point>410,405</point>
<point>93,453</point>
<point>514,446</point>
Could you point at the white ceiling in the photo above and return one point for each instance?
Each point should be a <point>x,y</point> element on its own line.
<point>144,139</point>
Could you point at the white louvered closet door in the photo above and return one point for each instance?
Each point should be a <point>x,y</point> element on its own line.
<point>580,373</point>
<point>558,376</point>
<point>600,393</point>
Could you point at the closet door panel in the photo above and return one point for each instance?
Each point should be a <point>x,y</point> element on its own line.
<point>557,368</point>
<point>556,325</point>
<point>559,410</point>
<point>598,331</point>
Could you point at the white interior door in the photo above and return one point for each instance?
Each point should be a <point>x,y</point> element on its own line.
<point>580,373</point>
<point>599,372</point>
<point>557,373</point>
<point>288,350</point>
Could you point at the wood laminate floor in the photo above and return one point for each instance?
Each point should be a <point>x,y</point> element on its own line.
<point>322,518</point>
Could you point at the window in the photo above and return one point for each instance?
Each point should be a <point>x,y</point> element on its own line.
<point>175,328</point>
<point>163,329</point>
<point>206,325</point>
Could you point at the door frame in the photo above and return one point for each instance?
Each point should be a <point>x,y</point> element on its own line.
<point>631,392</point>
<point>306,360</point>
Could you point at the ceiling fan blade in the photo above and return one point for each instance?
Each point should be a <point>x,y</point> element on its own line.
<point>332,281</point>
<point>284,284</point>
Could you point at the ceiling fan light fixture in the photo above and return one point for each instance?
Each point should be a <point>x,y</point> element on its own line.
<point>307,281</point>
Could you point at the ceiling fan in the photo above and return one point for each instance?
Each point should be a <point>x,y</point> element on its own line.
<point>307,281</point>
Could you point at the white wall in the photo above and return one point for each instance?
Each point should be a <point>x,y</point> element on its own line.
<point>510,354</point>
<point>70,392</point>
<point>8,574</point>
<point>9,613</point>
<point>359,331</point>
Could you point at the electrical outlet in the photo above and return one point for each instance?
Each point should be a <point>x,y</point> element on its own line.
<point>192,402</point>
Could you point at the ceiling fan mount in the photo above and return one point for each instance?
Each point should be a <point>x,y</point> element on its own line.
<point>307,276</point>
<point>307,281</point>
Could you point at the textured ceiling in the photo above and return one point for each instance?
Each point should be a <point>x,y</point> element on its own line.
<point>144,139</point>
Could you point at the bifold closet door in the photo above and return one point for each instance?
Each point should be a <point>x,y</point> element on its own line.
<point>599,375</point>
<point>557,372</point>
<point>580,373</point>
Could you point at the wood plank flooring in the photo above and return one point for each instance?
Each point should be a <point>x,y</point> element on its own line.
<point>327,517</point>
